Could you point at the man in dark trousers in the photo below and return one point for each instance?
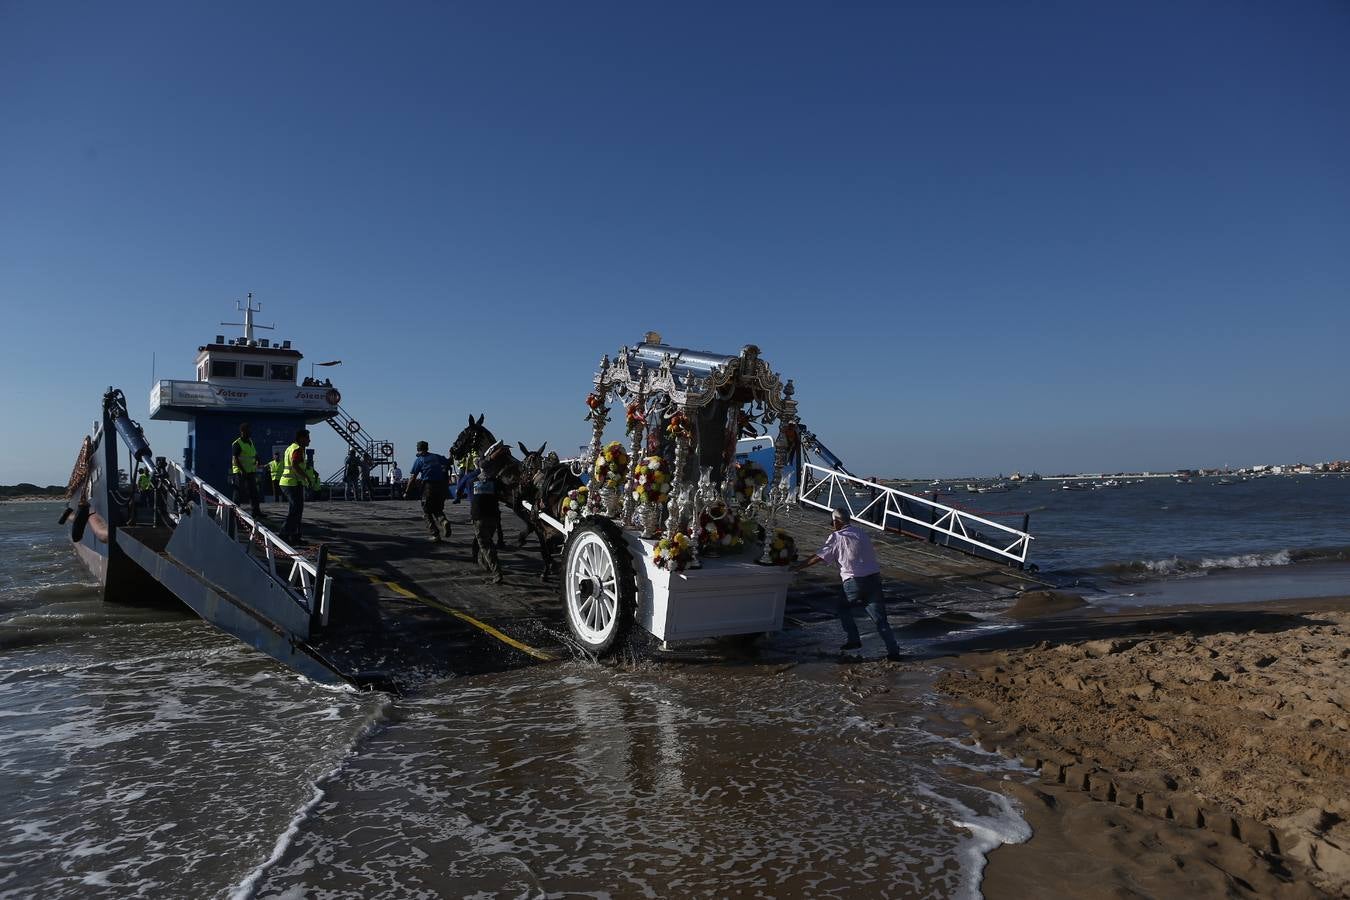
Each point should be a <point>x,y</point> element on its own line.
<point>351,477</point>
<point>851,550</point>
<point>294,477</point>
<point>487,522</point>
<point>431,471</point>
<point>244,469</point>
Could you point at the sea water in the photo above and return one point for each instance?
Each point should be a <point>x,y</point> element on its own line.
<point>143,753</point>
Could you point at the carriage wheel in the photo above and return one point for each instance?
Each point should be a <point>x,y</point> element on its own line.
<point>598,589</point>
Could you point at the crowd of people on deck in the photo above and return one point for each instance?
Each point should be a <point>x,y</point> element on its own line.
<point>433,479</point>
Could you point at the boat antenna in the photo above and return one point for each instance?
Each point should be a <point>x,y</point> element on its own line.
<point>248,312</point>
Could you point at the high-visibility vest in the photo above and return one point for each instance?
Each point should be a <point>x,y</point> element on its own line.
<point>290,475</point>
<point>247,454</point>
<point>144,481</point>
<point>274,469</point>
<point>313,477</point>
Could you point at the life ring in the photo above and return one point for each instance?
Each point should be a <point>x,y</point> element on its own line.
<point>387,449</point>
<point>353,426</point>
<point>333,397</point>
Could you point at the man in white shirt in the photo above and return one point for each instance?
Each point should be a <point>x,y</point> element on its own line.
<point>851,550</point>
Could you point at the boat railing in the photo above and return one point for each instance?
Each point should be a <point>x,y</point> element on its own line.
<point>280,559</point>
<point>886,508</point>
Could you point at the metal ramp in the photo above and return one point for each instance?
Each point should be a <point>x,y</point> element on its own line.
<point>237,574</point>
<point>889,509</point>
<point>818,478</point>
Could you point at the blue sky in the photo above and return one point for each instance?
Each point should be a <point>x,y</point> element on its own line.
<point>980,237</point>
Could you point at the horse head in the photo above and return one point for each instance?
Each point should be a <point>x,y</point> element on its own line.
<point>531,461</point>
<point>474,438</point>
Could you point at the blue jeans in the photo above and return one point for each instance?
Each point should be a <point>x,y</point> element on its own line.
<point>866,589</point>
<point>462,486</point>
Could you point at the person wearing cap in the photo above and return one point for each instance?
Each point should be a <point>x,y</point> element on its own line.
<point>851,550</point>
<point>431,469</point>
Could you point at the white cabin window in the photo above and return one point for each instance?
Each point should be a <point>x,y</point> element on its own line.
<point>222,369</point>
<point>254,370</point>
<point>201,373</point>
<point>283,372</point>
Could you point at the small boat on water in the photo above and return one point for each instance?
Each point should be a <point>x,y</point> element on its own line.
<point>1075,486</point>
<point>1001,487</point>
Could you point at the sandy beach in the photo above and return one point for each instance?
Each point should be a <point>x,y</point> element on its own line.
<point>1199,752</point>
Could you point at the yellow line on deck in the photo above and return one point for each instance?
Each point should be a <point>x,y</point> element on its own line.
<point>463,616</point>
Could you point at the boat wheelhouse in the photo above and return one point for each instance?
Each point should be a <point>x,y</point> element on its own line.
<point>242,379</point>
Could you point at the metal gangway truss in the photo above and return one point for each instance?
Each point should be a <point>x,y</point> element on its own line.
<point>889,509</point>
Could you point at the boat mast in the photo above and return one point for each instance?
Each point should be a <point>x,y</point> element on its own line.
<point>247,324</point>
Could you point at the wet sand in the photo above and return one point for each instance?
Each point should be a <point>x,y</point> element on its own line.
<point>1199,752</point>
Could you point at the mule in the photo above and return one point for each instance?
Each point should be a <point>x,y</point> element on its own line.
<point>546,482</point>
<point>511,481</point>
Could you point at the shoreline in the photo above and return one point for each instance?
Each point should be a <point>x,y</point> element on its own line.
<point>1202,749</point>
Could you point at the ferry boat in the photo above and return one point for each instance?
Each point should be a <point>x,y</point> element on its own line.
<point>180,539</point>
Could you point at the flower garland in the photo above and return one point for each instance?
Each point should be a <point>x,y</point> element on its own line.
<point>594,402</point>
<point>783,548</point>
<point>611,466</point>
<point>750,476</point>
<point>651,480</point>
<point>679,428</point>
<point>719,530</point>
<point>636,418</point>
<point>673,552</point>
<point>574,504</point>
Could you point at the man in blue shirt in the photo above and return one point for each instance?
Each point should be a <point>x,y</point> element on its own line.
<point>432,470</point>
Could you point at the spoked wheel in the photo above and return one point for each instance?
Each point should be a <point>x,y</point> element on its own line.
<point>597,589</point>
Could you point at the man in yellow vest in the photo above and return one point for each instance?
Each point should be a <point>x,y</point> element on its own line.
<point>144,486</point>
<point>294,477</point>
<point>274,473</point>
<point>244,469</point>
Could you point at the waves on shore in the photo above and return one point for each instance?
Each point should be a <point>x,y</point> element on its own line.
<point>1181,567</point>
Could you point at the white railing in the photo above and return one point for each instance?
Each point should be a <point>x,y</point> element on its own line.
<point>881,507</point>
<point>277,555</point>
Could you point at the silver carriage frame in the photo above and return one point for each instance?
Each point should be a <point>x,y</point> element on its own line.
<point>718,397</point>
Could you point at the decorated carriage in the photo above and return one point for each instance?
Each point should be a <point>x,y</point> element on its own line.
<point>672,532</point>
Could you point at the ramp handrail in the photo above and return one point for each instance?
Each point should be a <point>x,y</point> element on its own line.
<point>301,578</point>
<point>887,503</point>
